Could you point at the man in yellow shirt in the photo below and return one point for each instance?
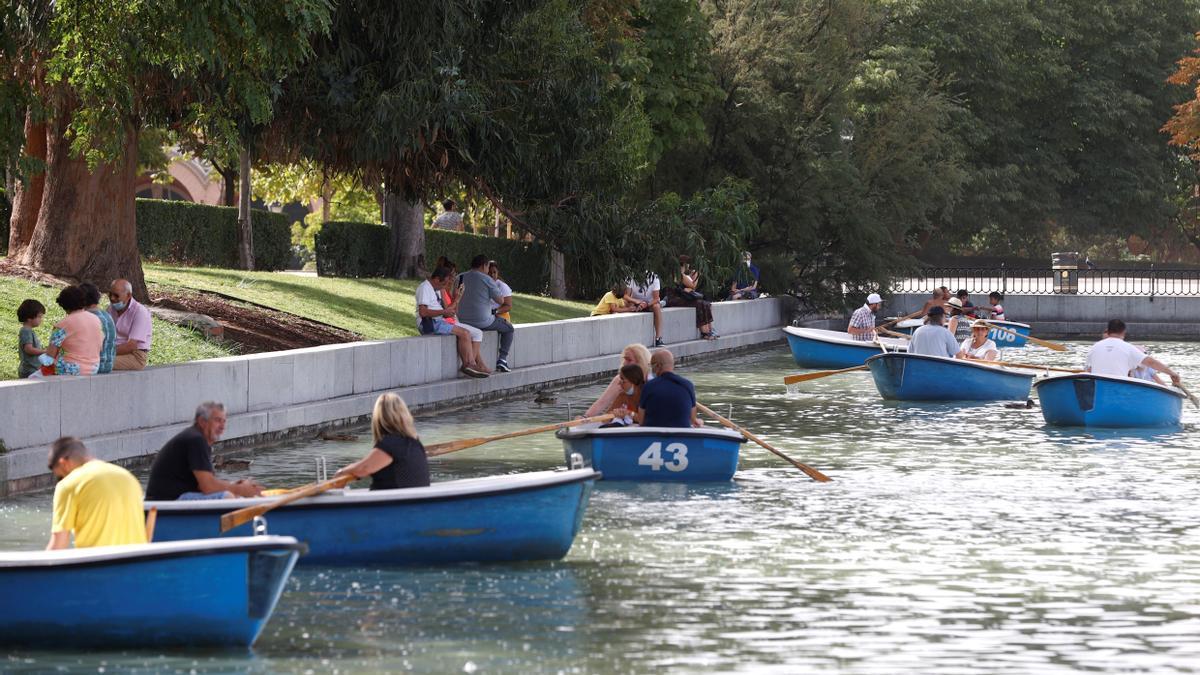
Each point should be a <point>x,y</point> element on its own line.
<point>614,302</point>
<point>100,502</point>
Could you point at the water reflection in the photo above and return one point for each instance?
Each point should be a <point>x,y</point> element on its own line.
<point>954,539</point>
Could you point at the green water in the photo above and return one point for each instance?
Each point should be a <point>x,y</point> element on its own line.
<point>955,539</point>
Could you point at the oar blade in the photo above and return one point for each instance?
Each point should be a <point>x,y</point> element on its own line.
<point>805,377</point>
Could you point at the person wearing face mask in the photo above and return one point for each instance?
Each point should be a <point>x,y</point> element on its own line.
<point>133,327</point>
<point>635,354</point>
<point>624,409</point>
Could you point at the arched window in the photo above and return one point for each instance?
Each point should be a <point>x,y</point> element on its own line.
<point>168,192</point>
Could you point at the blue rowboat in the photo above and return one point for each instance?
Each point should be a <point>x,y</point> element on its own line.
<point>655,453</point>
<point>1087,400</point>
<point>528,516</point>
<point>816,348</point>
<point>1003,339</point>
<point>207,593</point>
<point>916,377</point>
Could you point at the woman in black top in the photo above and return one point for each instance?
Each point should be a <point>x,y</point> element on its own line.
<point>398,458</point>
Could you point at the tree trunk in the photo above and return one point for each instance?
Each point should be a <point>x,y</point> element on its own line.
<point>326,198</point>
<point>86,226</point>
<point>229,177</point>
<point>558,275</point>
<point>245,238</point>
<point>27,193</point>
<point>406,254</point>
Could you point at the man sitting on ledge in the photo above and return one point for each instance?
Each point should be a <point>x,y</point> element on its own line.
<point>668,400</point>
<point>432,320</point>
<point>183,469</point>
<point>133,327</point>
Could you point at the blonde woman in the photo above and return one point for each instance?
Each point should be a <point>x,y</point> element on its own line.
<point>633,354</point>
<point>398,458</point>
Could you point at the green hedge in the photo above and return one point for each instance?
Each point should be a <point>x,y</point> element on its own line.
<point>198,234</point>
<point>346,249</point>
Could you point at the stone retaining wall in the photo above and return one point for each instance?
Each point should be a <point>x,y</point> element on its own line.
<point>123,416</point>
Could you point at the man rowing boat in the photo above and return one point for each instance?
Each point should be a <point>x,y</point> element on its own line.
<point>1114,356</point>
<point>862,322</point>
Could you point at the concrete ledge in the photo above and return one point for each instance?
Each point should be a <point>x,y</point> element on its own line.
<point>274,395</point>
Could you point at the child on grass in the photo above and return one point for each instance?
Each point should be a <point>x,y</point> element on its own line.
<point>30,315</point>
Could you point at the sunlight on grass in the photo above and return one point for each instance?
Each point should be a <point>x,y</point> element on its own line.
<point>373,308</point>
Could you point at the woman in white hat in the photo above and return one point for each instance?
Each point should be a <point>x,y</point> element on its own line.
<point>978,346</point>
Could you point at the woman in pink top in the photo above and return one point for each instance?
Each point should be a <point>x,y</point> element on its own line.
<point>76,341</point>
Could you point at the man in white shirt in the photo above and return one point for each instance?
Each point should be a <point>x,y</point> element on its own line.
<point>449,218</point>
<point>1114,356</point>
<point>645,294</point>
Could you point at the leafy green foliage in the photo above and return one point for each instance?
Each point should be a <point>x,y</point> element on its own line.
<point>1061,105</point>
<point>198,234</point>
<point>607,241</point>
<point>348,249</point>
<point>844,140</point>
<point>121,63</point>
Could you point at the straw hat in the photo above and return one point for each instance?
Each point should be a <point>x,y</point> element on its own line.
<point>955,303</point>
<point>980,323</point>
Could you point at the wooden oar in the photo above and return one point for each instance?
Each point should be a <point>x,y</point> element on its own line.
<point>903,318</point>
<point>812,473</point>
<point>1191,398</point>
<point>455,446</point>
<point>1027,366</point>
<point>1037,341</point>
<point>805,377</point>
<point>151,519</point>
<point>241,516</point>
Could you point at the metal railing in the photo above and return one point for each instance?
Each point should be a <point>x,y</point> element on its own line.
<point>1047,280</point>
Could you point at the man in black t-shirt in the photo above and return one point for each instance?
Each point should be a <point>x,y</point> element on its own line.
<point>183,469</point>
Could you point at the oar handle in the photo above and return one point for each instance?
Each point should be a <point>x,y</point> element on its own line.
<point>242,516</point>
<point>811,472</point>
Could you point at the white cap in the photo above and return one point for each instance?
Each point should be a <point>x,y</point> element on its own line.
<point>873,299</point>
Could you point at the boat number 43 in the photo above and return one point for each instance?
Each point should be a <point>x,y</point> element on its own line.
<point>653,457</point>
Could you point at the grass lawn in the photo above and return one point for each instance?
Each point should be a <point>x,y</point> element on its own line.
<point>373,308</point>
<point>172,344</point>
